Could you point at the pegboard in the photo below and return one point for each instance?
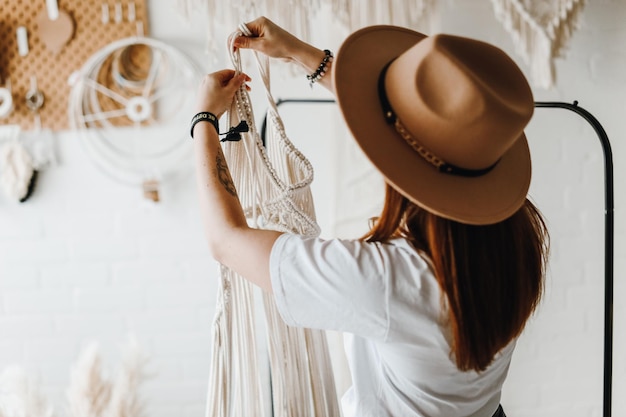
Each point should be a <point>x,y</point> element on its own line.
<point>52,71</point>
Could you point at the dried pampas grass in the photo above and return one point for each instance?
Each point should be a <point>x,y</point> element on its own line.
<point>90,393</point>
<point>20,395</point>
<point>125,399</point>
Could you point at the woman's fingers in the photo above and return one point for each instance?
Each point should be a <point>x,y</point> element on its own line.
<point>218,90</point>
<point>245,42</point>
<point>258,25</point>
<point>222,76</point>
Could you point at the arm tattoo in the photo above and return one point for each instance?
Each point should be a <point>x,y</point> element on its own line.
<point>223,174</point>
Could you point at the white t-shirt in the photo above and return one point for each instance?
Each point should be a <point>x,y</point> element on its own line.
<point>385,299</point>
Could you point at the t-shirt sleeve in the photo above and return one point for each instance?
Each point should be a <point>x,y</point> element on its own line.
<point>332,284</point>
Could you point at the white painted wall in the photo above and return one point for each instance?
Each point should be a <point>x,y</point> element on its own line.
<point>87,259</point>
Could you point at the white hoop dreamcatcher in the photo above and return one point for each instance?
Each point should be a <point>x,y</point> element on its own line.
<point>130,103</point>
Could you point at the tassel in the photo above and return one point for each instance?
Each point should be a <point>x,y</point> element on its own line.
<point>234,133</point>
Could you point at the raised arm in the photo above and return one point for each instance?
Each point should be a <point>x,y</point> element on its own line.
<point>231,242</point>
<point>272,40</point>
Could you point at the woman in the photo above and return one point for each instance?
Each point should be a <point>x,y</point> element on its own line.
<point>433,298</point>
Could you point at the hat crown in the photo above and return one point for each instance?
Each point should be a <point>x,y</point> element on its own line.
<point>412,101</point>
<point>464,100</point>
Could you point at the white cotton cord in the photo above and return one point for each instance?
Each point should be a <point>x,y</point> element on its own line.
<point>245,31</point>
<point>235,115</point>
<point>234,53</point>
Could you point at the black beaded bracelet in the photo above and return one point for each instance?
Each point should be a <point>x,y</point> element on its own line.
<point>321,69</point>
<point>205,116</point>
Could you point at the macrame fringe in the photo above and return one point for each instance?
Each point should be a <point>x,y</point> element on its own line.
<point>540,30</point>
<point>541,37</point>
<point>235,386</point>
<point>295,16</point>
<point>416,14</point>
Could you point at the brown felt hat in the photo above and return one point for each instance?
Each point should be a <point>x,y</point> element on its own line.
<point>441,117</point>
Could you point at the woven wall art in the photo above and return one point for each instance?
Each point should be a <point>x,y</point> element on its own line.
<point>541,30</point>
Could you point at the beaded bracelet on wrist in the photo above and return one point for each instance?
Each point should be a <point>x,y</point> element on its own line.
<point>322,69</point>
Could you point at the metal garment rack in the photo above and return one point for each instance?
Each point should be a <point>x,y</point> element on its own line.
<point>608,229</point>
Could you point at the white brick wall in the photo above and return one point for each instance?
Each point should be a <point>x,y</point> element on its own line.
<point>87,259</point>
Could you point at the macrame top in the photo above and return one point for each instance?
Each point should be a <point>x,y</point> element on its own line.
<point>273,183</point>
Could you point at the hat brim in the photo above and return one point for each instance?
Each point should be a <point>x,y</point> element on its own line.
<point>487,199</point>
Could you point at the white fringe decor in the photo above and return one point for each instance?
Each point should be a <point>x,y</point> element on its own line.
<point>418,15</point>
<point>540,31</point>
<point>296,15</point>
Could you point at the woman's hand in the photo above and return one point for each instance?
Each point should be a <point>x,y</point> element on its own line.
<point>270,39</point>
<point>217,90</point>
<point>273,41</point>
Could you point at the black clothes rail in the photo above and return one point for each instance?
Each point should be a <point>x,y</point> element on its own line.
<point>608,229</point>
<point>608,242</point>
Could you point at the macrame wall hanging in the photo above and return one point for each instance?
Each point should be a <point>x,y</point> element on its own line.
<point>296,15</point>
<point>540,30</point>
<point>273,183</point>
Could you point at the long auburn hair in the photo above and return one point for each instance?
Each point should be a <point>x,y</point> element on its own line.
<point>492,276</point>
